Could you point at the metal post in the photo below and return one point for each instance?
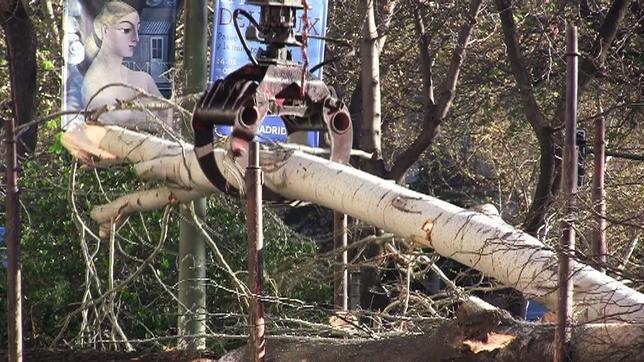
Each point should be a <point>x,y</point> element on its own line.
<point>192,246</point>
<point>599,194</point>
<point>254,181</point>
<point>14,278</point>
<point>341,274</point>
<point>569,188</point>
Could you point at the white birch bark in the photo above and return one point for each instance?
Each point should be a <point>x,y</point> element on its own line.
<point>370,76</point>
<point>480,241</point>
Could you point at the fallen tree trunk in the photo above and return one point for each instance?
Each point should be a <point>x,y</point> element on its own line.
<point>445,343</point>
<point>481,332</point>
<point>483,242</point>
<point>487,335</point>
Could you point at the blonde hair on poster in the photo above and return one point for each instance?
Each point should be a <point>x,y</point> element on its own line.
<point>109,16</point>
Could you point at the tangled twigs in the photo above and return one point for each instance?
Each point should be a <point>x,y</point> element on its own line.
<point>109,293</point>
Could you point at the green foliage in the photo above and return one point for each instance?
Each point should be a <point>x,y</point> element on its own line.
<point>56,146</point>
<point>51,263</point>
<point>54,278</point>
<point>283,252</point>
<point>47,65</point>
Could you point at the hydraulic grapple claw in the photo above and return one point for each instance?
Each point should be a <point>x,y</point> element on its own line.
<point>246,96</point>
<point>271,84</point>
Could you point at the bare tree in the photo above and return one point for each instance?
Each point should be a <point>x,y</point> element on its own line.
<point>435,110</point>
<point>548,131</point>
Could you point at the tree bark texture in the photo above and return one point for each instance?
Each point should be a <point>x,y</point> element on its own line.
<point>370,132</point>
<point>21,56</point>
<point>355,108</point>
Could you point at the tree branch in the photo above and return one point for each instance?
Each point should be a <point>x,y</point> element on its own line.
<point>548,165</point>
<point>371,128</point>
<point>387,12</point>
<point>426,61</point>
<point>590,68</point>
<point>356,102</point>
<point>521,74</point>
<point>434,115</point>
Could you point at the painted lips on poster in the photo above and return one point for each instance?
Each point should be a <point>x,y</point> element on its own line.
<point>228,54</point>
<point>113,49</point>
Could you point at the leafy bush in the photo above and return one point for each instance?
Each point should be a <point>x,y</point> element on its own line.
<point>54,268</point>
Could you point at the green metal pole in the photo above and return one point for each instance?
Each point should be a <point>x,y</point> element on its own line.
<point>192,247</point>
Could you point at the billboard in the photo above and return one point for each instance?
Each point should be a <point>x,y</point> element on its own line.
<point>229,55</point>
<point>105,42</point>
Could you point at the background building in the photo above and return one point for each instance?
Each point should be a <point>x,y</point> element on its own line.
<point>155,51</point>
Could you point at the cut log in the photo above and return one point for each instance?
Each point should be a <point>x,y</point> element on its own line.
<point>485,243</point>
<point>489,335</point>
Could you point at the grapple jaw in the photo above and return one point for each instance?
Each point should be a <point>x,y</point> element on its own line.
<point>246,96</point>
<point>271,84</point>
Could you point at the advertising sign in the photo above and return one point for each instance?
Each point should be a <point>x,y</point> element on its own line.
<point>229,55</point>
<point>128,42</point>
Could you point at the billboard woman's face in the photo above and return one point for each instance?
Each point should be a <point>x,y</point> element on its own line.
<point>123,36</point>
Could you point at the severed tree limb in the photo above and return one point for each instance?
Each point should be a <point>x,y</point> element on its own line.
<point>608,342</point>
<point>118,210</point>
<point>486,243</point>
<point>514,258</point>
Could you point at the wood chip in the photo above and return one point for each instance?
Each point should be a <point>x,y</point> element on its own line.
<point>493,342</point>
